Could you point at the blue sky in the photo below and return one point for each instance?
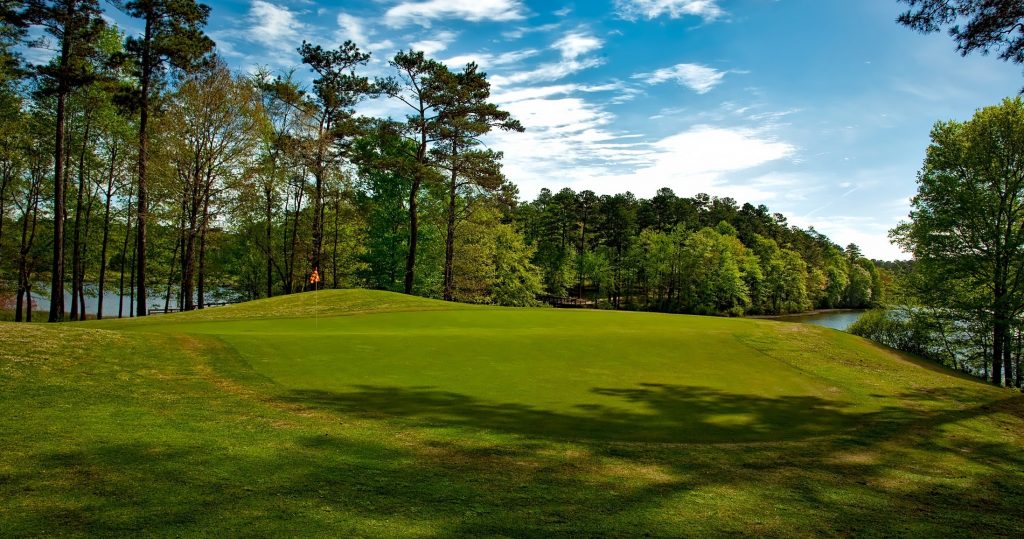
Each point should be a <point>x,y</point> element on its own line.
<point>819,109</point>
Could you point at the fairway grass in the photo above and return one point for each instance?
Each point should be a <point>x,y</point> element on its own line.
<point>362,413</point>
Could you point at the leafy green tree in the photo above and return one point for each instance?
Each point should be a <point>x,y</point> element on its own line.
<point>966,227</point>
<point>465,116</point>
<point>336,91</point>
<point>414,87</point>
<point>77,26</point>
<point>172,36</point>
<point>713,280</point>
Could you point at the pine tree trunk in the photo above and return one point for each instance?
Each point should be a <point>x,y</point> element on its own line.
<point>106,234</point>
<point>124,252</point>
<point>410,259</point>
<point>204,228</point>
<point>84,255</point>
<point>334,250</point>
<point>449,240</point>
<point>76,249</point>
<point>142,207</point>
<point>57,271</point>
<point>269,240</point>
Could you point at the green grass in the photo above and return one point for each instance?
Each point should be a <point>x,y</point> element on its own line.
<point>387,415</point>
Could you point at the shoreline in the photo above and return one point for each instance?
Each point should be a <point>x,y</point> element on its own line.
<point>807,313</point>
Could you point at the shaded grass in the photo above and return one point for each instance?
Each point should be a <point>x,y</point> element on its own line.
<point>494,422</point>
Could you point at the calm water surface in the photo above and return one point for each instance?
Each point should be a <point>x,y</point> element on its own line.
<point>841,320</point>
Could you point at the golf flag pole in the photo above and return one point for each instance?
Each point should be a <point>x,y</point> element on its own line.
<point>314,280</point>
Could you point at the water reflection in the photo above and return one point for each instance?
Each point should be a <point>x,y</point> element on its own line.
<point>841,320</point>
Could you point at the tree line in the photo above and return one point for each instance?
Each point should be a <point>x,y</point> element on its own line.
<point>143,164</point>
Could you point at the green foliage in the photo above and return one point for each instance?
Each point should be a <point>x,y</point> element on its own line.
<point>966,226</point>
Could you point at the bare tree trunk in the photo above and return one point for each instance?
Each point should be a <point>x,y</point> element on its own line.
<point>295,237</point>
<point>334,250</point>
<point>414,230</point>
<point>28,227</point>
<point>57,272</point>
<point>204,227</point>
<point>170,277</point>
<point>76,249</point>
<point>449,239</point>
<point>85,254</point>
<point>270,247</point>
<point>106,233</point>
<point>142,207</point>
<point>124,252</point>
<point>131,292</point>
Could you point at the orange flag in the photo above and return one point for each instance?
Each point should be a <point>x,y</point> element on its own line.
<point>315,277</point>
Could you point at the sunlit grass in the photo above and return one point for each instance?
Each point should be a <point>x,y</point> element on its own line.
<point>386,415</point>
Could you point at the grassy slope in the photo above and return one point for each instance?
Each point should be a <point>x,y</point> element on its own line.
<point>428,419</point>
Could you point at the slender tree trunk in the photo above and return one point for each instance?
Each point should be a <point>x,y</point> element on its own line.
<point>170,276</point>
<point>998,342</point>
<point>124,252</point>
<point>76,249</point>
<point>28,227</point>
<point>414,228</point>
<point>142,203</point>
<point>1008,359</point>
<point>334,250</point>
<point>131,289</point>
<point>57,271</point>
<point>269,239</point>
<point>294,242</point>
<point>106,233</point>
<point>449,240</point>
<point>84,255</point>
<point>203,229</point>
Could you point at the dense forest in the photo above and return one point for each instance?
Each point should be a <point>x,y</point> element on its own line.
<point>143,166</point>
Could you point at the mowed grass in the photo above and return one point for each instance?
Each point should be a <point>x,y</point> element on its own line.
<point>360,413</point>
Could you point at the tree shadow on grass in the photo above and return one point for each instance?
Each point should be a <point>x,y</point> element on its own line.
<point>655,413</point>
<point>811,467</point>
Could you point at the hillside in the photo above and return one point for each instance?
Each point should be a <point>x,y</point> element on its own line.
<point>368,413</point>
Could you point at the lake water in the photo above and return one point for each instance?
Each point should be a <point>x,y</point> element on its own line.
<point>110,300</point>
<point>841,320</point>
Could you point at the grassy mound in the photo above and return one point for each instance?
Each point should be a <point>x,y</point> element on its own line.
<point>435,419</point>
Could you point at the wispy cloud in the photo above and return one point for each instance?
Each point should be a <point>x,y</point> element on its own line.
<point>274,26</point>
<point>576,44</point>
<point>438,42</point>
<point>572,48</point>
<point>491,60</point>
<point>423,13</point>
<point>521,31</point>
<point>708,10</point>
<point>699,78</point>
<point>360,32</point>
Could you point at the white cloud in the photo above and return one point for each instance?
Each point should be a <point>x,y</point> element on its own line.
<point>438,42</point>
<point>489,60</point>
<point>576,44</point>
<point>708,10</point>
<point>352,28</point>
<point>523,30</point>
<point>698,78</point>
<point>571,47</point>
<point>424,12</point>
<point>569,142</point>
<point>273,26</point>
